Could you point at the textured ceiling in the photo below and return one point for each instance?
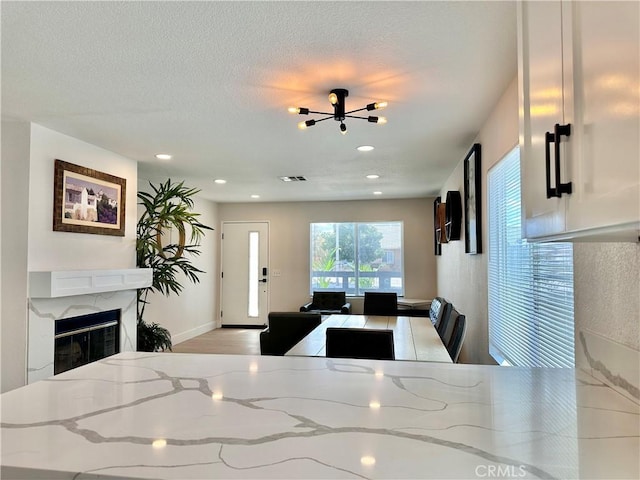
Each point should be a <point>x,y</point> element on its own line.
<point>210,82</point>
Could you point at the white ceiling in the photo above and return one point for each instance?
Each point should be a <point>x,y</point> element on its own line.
<point>210,82</point>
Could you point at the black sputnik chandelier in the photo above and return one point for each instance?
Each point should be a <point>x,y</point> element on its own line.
<point>337,98</point>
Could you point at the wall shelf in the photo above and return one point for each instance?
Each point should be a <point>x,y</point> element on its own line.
<point>66,283</point>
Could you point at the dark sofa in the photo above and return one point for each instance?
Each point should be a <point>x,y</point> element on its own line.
<point>328,303</point>
<point>285,330</point>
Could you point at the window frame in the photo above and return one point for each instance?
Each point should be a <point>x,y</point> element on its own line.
<point>357,290</point>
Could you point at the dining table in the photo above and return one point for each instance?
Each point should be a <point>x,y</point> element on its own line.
<point>414,338</point>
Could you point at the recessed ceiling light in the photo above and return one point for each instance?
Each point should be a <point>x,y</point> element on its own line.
<point>163,156</point>
<point>220,181</point>
<point>365,148</point>
<point>373,176</point>
<point>255,196</point>
<point>377,193</point>
<point>293,178</point>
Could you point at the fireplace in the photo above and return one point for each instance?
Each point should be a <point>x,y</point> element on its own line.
<point>85,339</point>
<point>57,341</point>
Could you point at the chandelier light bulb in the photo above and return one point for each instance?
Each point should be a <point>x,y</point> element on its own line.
<point>377,105</point>
<point>300,110</point>
<point>382,120</point>
<point>333,98</point>
<point>308,123</point>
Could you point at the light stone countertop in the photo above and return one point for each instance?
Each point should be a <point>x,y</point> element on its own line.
<point>181,416</point>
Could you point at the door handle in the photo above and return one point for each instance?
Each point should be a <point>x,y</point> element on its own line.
<point>554,138</point>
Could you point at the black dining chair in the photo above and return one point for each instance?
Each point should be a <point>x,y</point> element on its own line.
<point>457,337</point>
<point>444,318</point>
<point>447,331</point>
<point>380,303</point>
<point>376,344</point>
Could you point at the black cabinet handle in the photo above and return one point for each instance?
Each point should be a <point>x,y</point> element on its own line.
<point>548,138</point>
<point>560,130</point>
<point>554,138</point>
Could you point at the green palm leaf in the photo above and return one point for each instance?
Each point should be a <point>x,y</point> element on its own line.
<point>168,206</point>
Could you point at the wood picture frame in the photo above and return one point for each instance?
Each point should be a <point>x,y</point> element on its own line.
<point>88,201</point>
<point>472,203</point>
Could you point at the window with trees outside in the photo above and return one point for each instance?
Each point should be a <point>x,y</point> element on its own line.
<point>357,257</point>
<point>530,284</point>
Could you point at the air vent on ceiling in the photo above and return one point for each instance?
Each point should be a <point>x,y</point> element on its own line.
<point>293,178</point>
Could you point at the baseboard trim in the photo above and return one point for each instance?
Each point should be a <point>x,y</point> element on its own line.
<point>194,332</point>
<point>243,326</point>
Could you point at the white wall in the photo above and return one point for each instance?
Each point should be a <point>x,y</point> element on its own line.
<point>607,313</point>
<point>462,278</point>
<point>194,311</point>
<point>49,250</point>
<point>289,241</point>
<point>15,215</point>
<point>607,292</point>
<point>28,240</point>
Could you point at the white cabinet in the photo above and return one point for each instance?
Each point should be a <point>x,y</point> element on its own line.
<point>579,88</point>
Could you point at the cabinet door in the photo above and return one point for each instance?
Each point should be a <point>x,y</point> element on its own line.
<point>606,152</point>
<point>540,80</point>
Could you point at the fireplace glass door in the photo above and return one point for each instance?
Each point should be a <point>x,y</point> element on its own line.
<point>85,339</point>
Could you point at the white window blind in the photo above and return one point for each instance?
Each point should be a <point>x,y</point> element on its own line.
<point>530,284</point>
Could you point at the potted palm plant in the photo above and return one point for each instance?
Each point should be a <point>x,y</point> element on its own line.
<point>168,207</point>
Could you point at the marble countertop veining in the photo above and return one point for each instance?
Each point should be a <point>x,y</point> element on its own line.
<point>181,416</point>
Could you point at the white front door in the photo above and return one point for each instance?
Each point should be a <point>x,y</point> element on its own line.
<point>245,273</point>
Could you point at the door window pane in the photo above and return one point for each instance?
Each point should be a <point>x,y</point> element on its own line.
<point>254,252</point>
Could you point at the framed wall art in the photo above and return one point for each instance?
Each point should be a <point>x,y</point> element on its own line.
<point>87,201</point>
<point>472,213</point>
<point>437,226</point>
<point>453,215</point>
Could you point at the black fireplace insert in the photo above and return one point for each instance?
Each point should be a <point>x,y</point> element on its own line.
<point>85,339</point>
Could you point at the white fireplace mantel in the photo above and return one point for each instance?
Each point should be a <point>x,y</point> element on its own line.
<point>66,283</point>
